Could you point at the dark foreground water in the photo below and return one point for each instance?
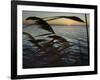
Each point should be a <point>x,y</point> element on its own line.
<point>50,55</point>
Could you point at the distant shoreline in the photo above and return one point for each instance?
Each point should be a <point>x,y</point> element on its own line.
<point>66,25</point>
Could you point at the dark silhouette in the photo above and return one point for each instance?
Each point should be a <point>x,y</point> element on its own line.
<point>49,53</point>
<point>69,17</point>
<point>40,21</point>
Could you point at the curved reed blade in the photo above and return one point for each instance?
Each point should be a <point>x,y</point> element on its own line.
<point>69,17</point>
<point>44,34</point>
<point>37,41</point>
<point>42,23</point>
<point>57,37</point>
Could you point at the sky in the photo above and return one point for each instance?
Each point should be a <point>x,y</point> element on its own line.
<point>62,21</point>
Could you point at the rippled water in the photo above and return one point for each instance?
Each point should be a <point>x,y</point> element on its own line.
<point>72,32</point>
<point>78,53</point>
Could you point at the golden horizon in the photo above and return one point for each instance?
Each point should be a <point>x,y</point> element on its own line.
<point>63,21</point>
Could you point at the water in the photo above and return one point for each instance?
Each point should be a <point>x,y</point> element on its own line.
<point>75,55</point>
<point>76,35</point>
<point>71,32</point>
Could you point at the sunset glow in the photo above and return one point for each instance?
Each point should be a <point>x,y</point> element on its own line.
<point>63,21</point>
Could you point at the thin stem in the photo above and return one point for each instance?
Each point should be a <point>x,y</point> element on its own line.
<point>87,28</point>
